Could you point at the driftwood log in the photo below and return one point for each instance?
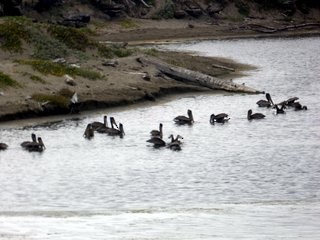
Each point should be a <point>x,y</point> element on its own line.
<point>197,78</point>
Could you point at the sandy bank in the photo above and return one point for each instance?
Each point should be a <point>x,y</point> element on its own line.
<point>125,82</point>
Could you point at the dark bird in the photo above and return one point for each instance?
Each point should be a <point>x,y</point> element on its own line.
<point>89,132</point>
<point>157,133</point>
<point>175,143</point>
<point>298,107</point>
<point>251,116</point>
<point>33,146</point>
<point>280,110</point>
<point>290,102</point>
<point>39,147</point>
<point>25,144</point>
<point>3,146</point>
<point>97,125</point>
<point>181,120</point>
<point>105,128</point>
<point>116,132</point>
<point>157,142</point>
<point>219,118</point>
<point>265,103</point>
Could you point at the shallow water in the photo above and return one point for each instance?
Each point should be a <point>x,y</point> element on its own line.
<point>240,180</point>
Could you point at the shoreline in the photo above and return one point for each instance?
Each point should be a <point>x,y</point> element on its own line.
<point>124,84</point>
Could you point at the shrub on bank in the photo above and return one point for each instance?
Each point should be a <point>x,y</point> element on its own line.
<point>60,69</point>
<point>7,81</point>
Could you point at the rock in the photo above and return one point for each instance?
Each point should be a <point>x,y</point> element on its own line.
<point>110,63</point>
<point>10,8</point>
<point>76,21</point>
<point>46,4</point>
<point>213,10</point>
<point>69,80</point>
<point>179,14</point>
<point>149,96</point>
<point>194,12</point>
<point>146,76</point>
<point>59,60</point>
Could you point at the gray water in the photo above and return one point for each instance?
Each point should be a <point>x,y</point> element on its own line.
<point>240,180</point>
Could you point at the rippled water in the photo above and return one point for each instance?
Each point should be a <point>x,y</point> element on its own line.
<point>240,180</point>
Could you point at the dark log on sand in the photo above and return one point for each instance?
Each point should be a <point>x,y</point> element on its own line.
<point>197,78</point>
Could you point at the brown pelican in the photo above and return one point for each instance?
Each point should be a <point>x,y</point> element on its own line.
<point>219,118</point>
<point>97,125</point>
<point>181,120</point>
<point>157,133</point>
<point>105,129</point>
<point>291,101</point>
<point>298,107</point>
<point>25,144</point>
<point>175,143</point>
<point>37,147</point>
<point>116,132</point>
<point>33,146</point>
<point>89,132</point>
<point>255,115</point>
<point>280,110</point>
<point>3,146</point>
<point>265,103</point>
<point>157,142</point>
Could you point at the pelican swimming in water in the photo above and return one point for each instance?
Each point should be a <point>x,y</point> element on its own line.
<point>89,132</point>
<point>33,146</point>
<point>25,144</point>
<point>181,120</point>
<point>219,118</point>
<point>105,129</point>
<point>157,142</point>
<point>291,101</point>
<point>280,110</point>
<point>116,132</point>
<point>298,107</point>
<point>251,116</point>
<point>97,125</point>
<point>39,147</point>
<point>175,143</point>
<point>265,103</point>
<point>3,146</point>
<point>157,133</point>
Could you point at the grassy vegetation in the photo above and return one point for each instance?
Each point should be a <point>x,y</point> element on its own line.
<point>12,34</point>
<point>111,51</point>
<point>151,52</point>
<point>57,100</point>
<point>66,92</point>
<point>7,81</point>
<point>38,79</point>
<point>74,38</point>
<point>59,69</point>
<point>128,23</point>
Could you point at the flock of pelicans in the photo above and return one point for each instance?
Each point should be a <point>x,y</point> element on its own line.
<point>37,145</point>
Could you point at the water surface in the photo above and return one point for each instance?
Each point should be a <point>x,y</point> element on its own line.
<point>240,180</point>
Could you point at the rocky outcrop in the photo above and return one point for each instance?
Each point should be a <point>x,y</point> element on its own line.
<point>10,8</point>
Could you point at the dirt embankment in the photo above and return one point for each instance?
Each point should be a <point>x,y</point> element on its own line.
<point>123,80</point>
